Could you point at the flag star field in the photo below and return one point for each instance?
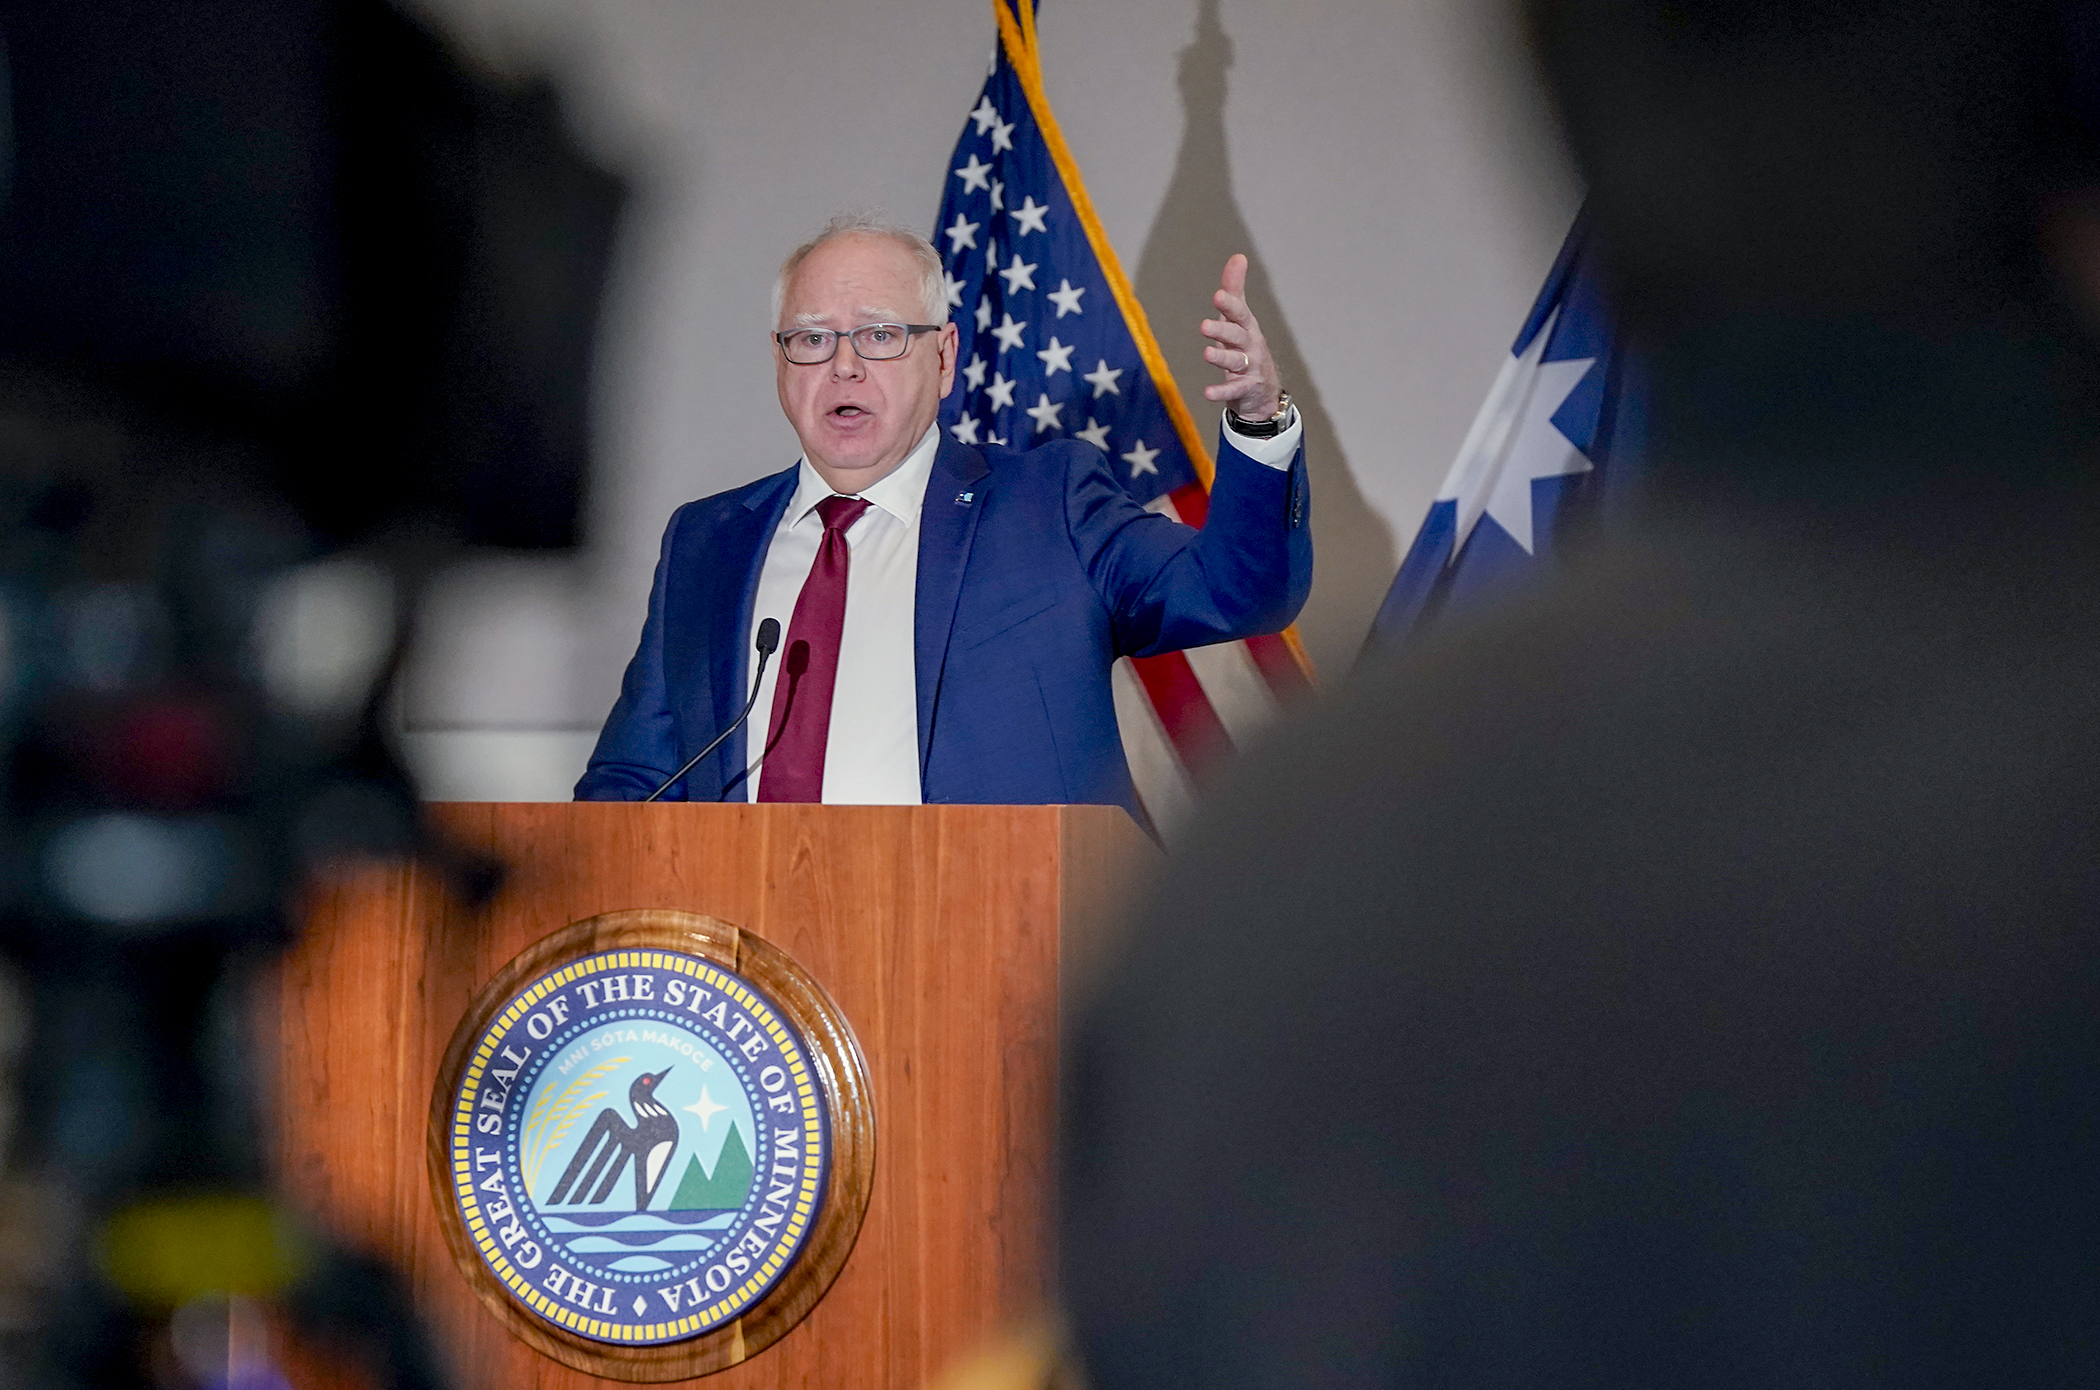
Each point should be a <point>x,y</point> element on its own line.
<point>1045,352</point>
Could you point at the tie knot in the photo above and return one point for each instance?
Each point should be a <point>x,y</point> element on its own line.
<point>841,512</point>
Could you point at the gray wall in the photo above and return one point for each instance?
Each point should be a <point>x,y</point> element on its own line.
<point>1387,164</point>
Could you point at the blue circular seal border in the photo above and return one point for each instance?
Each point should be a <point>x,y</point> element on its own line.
<point>488,1185</point>
<point>664,980</point>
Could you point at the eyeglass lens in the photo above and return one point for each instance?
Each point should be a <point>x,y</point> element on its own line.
<point>878,342</point>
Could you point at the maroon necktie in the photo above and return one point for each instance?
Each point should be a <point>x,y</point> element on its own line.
<point>794,766</point>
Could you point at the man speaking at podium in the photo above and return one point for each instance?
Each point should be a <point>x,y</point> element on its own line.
<point>950,613</point>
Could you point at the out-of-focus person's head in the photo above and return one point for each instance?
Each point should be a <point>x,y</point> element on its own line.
<point>1797,157</point>
<point>1866,230</point>
<point>844,303</point>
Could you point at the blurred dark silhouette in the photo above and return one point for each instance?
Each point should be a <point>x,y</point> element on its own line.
<point>1686,977</point>
<point>293,305</point>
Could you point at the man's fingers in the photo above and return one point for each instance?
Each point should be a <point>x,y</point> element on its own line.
<point>1225,332</point>
<point>1234,280</point>
<point>1232,307</point>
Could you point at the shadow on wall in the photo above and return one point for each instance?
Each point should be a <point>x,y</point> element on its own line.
<point>1199,226</point>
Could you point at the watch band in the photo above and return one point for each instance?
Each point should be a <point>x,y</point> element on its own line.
<point>1261,429</point>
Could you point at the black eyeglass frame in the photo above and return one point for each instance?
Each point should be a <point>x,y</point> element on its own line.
<point>911,331</point>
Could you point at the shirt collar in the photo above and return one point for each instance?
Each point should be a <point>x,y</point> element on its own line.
<point>901,494</point>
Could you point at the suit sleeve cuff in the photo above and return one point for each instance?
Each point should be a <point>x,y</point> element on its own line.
<point>1275,452</point>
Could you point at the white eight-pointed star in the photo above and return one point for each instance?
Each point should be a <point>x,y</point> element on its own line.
<point>1104,378</point>
<point>1019,275</point>
<point>975,174</point>
<point>1045,413</point>
<point>1029,217</point>
<point>1095,434</point>
<point>1515,442</point>
<point>1000,394</point>
<point>1140,459</point>
<point>705,1108</point>
<point>1056,358</point>
<point>1008,332</point>
<point>1066,298</point>
<point>963,235</point>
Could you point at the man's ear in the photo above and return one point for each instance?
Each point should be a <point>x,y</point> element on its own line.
<point>951,344</point>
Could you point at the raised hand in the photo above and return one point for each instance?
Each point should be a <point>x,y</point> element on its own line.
<point>1253,388</point>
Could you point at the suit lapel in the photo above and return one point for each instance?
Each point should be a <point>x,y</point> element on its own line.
<point>729,580</point>
<point>947,525</point>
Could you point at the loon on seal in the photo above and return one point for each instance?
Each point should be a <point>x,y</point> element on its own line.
<point>648,1141</point>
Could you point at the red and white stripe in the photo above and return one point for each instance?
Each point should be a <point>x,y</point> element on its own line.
<point>1183,713</point>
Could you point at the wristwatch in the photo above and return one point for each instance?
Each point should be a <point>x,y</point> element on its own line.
<point>1262,429</point>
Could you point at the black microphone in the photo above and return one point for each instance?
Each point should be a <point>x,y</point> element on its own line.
<point>768,643</point>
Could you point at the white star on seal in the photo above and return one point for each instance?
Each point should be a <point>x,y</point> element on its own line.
<point>706,1109</point>
<point>975,174</point>
<point>1104,379</point>
<point>1066,298</point>
<point>1045,413</point>
<point>1140,459</point>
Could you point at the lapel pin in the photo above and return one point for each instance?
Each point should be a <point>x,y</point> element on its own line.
<point>963,499</point>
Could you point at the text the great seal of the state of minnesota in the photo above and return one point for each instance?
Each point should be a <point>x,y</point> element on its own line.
<point>638,1148</point>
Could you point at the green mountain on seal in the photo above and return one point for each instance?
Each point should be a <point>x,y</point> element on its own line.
<point>722,1190</point>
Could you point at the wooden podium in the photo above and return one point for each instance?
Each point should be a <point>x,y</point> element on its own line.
<point>942,932</point>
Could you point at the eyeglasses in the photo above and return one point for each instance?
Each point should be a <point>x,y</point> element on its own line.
<point>875,342</point>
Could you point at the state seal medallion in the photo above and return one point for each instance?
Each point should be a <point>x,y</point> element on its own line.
<point>650,1145</point>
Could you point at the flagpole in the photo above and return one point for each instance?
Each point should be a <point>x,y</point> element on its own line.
<point>1017,35</point>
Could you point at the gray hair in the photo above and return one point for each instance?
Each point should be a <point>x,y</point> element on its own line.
<point>933,280</point>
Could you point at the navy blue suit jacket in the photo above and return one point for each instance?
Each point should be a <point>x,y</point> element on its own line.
<point>1036,571</point>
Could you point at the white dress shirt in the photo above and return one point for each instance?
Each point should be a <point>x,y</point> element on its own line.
<point>872,754</point>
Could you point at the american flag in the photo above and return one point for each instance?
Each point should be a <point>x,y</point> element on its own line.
<point>1055,344</point>
<point>1557,435</point>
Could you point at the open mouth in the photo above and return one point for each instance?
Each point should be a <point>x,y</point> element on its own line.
<point>847,412</point>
